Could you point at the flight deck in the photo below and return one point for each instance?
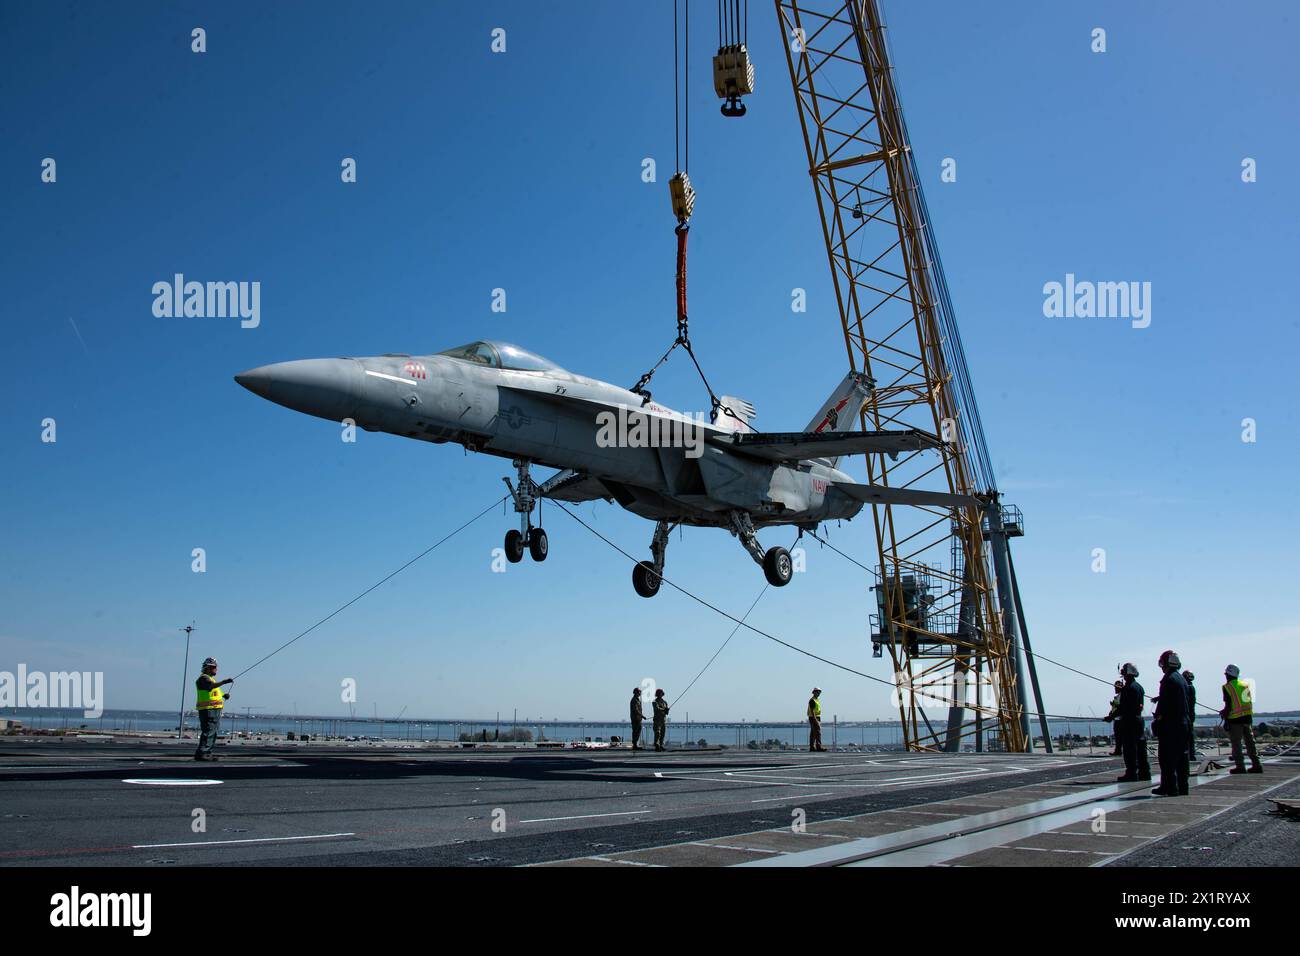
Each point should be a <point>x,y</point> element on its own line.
<point>92,802</point>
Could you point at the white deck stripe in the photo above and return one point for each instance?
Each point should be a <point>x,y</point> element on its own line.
<point>315,836</point>
<point>793,796</point>
<point>588,816</point>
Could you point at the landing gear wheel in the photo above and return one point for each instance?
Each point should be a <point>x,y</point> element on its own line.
<point>777,567</point>
<point>645,580</point>
<point>537,544</point>
<point>514,546</point>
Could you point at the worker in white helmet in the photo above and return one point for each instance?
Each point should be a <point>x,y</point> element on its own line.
<point>210,703</point>
<point>815,721</point>
<point>1132,699</point>
<point>1239,714</point>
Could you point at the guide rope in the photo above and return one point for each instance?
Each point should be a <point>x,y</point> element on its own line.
<point>372,587</point>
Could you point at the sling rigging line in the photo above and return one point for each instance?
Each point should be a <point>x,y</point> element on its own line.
<point>682,194</point>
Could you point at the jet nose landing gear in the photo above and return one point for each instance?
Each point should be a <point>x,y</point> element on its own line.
<point>645,580</point>
<point>525,498</point>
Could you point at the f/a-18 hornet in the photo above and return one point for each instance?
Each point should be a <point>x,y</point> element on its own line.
<point>610,443</point>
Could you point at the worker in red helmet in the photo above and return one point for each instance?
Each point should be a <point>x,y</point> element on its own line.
<point>1172,724</point>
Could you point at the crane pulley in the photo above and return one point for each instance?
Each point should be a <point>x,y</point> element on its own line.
<point>733,73</point>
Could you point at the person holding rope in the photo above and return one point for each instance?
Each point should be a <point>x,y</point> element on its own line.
<point>209,706</point>
<point>1172,723</point>
<point>1131,727</point>
<point>660,719</point>
<point>1113,719</point>
<point>1238,714</point>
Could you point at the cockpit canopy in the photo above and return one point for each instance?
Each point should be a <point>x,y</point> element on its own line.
<point>502,355</point>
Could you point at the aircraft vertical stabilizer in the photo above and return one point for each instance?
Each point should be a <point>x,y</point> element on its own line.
<point>842,410</point>
<point>840,413</point>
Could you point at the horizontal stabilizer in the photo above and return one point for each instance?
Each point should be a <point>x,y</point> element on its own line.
<point>882,495</point>
<point>801,446</point>
<point>737,415</point>
<point>569,485</point>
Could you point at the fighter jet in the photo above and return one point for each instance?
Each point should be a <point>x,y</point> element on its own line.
<point>610,443</point>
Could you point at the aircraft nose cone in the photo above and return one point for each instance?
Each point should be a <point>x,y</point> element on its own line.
<point>326,388</point>
<point>256,380</point>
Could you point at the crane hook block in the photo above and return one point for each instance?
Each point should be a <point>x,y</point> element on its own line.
<point>733,77</point>
<point>683,194</point>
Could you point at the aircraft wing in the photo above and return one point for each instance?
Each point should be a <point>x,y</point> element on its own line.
<point>569,485</point>
<point>882,495</point>
<point>800,446</point>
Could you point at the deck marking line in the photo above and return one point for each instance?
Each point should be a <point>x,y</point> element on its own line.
<point>587,816</point>
<point>314,836</point>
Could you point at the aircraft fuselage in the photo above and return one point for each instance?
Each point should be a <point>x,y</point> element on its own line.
<point>553,417</point>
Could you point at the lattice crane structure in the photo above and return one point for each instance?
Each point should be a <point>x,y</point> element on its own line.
<point>947,607</point>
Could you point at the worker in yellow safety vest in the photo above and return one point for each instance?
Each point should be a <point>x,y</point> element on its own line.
<point>209,706</point>
<point>815,721</point>
<point>1239,714</point>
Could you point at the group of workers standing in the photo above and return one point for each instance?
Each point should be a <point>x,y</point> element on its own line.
<point>1172,723</point>
<point>660,709</point>
<point>660,706</point>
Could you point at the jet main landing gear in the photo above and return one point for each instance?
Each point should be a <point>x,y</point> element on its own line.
<point>778,567</point>
<point>525,499</point>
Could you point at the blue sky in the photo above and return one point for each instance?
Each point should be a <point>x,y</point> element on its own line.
<point>522,171</point>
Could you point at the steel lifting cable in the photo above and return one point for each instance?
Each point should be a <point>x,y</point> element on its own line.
<point>677,98</point>
<point>741,622</point>
<point>718,610</point>
<point>372,587</point>
<point>733,25</point>
<point>1034,654</point>
<point>816,537</point>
